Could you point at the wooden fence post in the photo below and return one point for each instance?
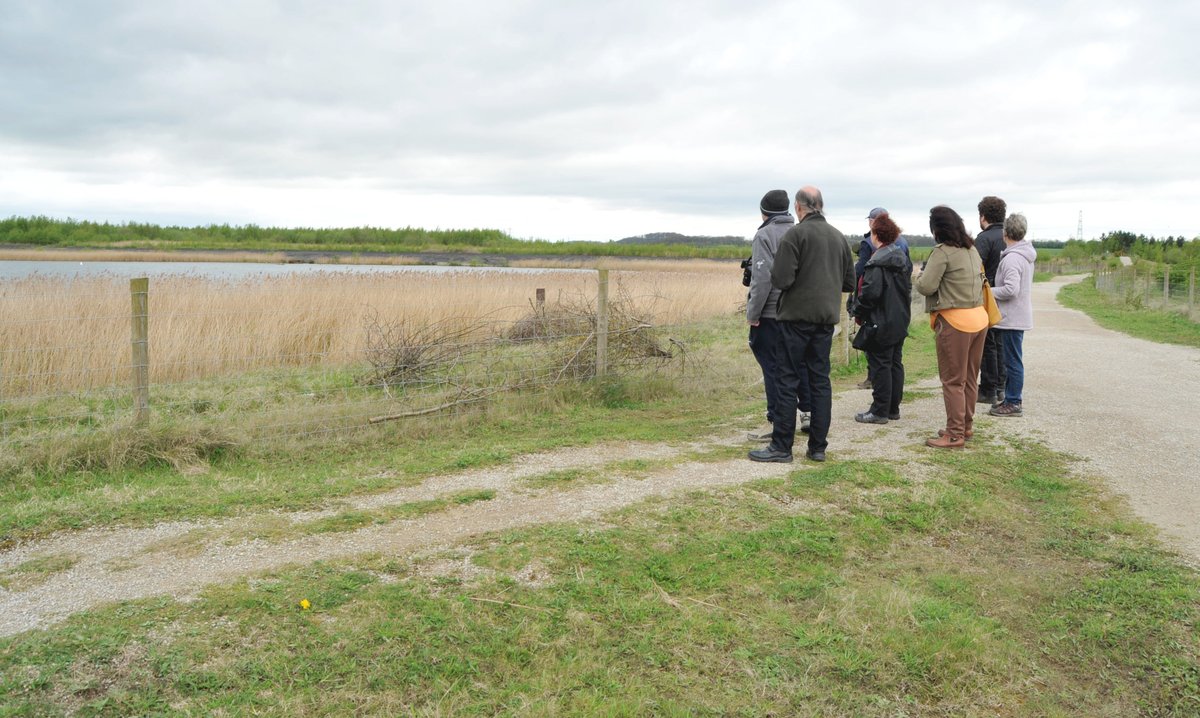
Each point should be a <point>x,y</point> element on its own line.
<point>846,335</point>
<point>139,292</point>
<point>540,294</point>
<point>1192,292</point>
<point>602,325</point>
<point>1166,285</point>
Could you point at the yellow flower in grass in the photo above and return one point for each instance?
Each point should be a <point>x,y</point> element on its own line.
<point>304,604</point>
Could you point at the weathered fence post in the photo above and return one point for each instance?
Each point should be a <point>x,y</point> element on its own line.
<point>139,292</point>
<point>602,325</point>
<point>1166,285</point>
<point>540,295</point>
<point>846,335</point>
<point>1192,292</point>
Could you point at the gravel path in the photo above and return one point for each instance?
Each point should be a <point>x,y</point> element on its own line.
<point>1105,397</point>
<point>1128,406</point>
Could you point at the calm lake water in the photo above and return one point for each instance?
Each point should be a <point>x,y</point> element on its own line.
<point>223,270</point>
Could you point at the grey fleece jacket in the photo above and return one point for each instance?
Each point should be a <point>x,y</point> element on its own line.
<point>1014,285</point>
<point>762,299</point>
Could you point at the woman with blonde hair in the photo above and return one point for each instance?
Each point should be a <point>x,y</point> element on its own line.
<point>952,284</point>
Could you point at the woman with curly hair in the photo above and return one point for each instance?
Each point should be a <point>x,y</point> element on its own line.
<point>952,284</point>
<point>884,306</point>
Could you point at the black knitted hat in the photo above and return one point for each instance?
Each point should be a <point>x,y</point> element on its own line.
<point>774,201</point>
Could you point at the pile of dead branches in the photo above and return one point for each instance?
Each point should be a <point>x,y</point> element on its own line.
<point>458,363</point>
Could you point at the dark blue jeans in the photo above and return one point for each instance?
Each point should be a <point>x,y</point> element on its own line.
<point>764,342</point>
<point>803,357</point>
<point>1012,345</point>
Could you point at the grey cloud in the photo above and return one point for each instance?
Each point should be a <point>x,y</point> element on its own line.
<point>540,98</point>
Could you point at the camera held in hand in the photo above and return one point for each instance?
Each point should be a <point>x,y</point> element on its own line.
<point>746,271</point>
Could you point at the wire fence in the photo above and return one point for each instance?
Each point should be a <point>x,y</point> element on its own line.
<point>1151,286</point>
<point>315,356</point>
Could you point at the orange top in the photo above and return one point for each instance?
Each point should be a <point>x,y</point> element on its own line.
<point>968,321</point>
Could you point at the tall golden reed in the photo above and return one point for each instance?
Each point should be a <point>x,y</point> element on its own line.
<point>62,336</point>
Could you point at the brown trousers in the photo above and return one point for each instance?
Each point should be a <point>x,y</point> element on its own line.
<point>958,357</point>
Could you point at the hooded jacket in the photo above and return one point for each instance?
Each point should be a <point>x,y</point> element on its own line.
<point>1014,285</point>
<point>886,296</point>
<point>762,299</point>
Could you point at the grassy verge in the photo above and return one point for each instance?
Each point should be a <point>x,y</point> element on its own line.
<point>986,582</point>
<point>1165,327</point>
<point>201,466</point>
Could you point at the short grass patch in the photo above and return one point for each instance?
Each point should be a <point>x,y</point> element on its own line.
<point>1136,321</point>
<point>992,581</point>
<point>35,571</point>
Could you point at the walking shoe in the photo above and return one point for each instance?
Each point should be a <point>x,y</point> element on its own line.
<point>1006,409</point>
<point>805,422</point>
<point>814,455</point>
<point>946,442</point>
<point>864,384</point>
<point>894,416</point>
<point>966,434</point>
<point>866,417</point>
<point>986,398</point>
<point>771,456</point>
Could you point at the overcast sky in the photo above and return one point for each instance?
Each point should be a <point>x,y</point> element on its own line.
<point>560,120</point>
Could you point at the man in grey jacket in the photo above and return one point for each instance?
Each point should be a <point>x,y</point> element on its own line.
<point>763,298</point>
<point>812,268</point>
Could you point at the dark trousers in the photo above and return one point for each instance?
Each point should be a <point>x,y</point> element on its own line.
<point>803,356</point>
<point>886,368</point>
<point>764,342</point>
<point>991,366</point>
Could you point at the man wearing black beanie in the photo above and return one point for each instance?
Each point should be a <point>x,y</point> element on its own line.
<point>763,298</point>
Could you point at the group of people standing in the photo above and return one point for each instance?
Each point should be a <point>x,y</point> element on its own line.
<point>799,269</point>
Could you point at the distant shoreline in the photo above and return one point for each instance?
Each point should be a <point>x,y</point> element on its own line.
<point>12,252</point>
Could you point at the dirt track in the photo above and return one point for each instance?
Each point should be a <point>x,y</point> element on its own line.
<point>1119,403</point>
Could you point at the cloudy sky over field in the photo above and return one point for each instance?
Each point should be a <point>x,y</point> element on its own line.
<point>562,120</point>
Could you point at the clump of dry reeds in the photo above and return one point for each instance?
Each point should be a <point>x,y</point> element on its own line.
<point>61,336</point>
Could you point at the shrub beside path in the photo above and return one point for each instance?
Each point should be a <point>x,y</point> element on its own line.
<point>1124,405</point>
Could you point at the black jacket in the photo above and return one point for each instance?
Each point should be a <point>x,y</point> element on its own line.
<point>990,244</point>
<point>886,296</point>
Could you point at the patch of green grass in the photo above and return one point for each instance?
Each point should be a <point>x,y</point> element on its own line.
<point>1043,276</point>
<point>1156,326</point>
<point>35,571</point>
<point>997,583</point>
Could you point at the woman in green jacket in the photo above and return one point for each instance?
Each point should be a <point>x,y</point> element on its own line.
<point>952,283</point>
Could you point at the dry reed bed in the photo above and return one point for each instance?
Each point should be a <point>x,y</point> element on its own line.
<point>61,336</point>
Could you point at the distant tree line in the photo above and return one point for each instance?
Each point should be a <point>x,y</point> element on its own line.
<point>48,232</point>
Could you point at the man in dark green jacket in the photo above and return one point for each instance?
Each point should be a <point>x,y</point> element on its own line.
<point>813,267</point>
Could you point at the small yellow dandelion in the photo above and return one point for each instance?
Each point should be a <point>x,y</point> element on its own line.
<point>304,604</point>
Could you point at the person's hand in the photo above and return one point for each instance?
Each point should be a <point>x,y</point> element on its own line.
<point>754,323</point>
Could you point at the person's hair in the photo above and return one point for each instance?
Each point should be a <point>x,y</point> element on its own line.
<point>884,229</point>
<point>810,200</point>
<point>992,209</point>
<point>1015,227</point>
<point>948,228</point>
